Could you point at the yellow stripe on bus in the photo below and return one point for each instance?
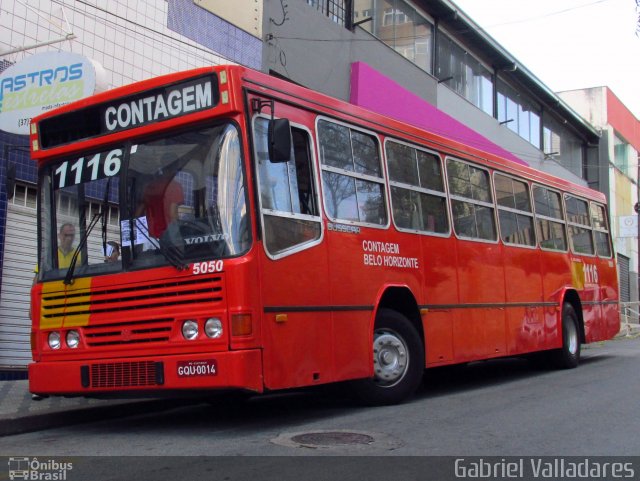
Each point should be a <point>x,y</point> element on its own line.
<point>65,316</point>
<point>577,274</point>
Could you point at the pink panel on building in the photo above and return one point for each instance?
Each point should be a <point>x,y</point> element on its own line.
<point>374,91</point>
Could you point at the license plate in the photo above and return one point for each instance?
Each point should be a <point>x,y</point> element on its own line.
<point>197,368</point>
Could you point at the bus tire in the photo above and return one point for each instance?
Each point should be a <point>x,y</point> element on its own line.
<point>568,356</point>
<point>398,361</point>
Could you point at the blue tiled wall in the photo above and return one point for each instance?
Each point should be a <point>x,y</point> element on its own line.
<point>203,27</point>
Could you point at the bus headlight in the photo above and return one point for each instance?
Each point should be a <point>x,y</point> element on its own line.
<point>190,330</point>
<point>54,340</point>
<point>73,339</point>
<point>213,328</point>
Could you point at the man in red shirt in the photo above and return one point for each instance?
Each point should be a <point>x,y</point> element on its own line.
<point>161,199</point>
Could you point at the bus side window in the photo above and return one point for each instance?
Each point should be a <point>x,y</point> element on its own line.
<point>600,230</point>
<point>471,201</point>
<point>417,189</point>
<point>514,211</point>
<point>550,226</point>
<point>579,223</point>
<point>352,178</point>
<point>287,193</point>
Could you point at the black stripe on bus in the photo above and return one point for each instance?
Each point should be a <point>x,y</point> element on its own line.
<point>316,308</point>
<point>277,309</point>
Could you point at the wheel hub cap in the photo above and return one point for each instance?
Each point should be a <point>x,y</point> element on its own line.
<point>390,358</point>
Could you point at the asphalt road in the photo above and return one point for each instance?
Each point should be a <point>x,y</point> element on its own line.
<point>495,408</point>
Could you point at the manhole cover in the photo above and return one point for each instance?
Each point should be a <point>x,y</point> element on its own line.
<point>338,439</point>
<point>332,438</point>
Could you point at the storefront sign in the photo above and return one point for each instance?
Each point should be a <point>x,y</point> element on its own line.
<point>40,83</point>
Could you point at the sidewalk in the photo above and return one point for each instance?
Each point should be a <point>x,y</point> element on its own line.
<point>629,331</point>
<point>19,413</point>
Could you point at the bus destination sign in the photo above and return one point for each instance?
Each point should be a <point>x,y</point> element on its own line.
<point>154,105</point>
<point>160,104</point>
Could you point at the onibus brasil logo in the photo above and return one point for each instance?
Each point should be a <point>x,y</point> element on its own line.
<point>34,469</point>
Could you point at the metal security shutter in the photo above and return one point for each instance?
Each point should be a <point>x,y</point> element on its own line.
<point>623,272</point>
<point>19,263</point>
<point>17,278</point>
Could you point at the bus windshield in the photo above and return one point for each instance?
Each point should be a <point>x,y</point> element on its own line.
<point>167,201</point>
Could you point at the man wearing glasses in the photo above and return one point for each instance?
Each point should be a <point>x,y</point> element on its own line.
<point>65,248</point>
<point>65,245</point>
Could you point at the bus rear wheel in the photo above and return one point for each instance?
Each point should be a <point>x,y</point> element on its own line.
<point>398,361</point>
<point>568,356</point>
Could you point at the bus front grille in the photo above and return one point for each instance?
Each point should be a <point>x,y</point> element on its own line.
<point>126,374</point>
<point>129,314</point>
<point>132,332</point>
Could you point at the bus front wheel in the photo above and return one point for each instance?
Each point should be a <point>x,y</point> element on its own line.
<point>398,361</point>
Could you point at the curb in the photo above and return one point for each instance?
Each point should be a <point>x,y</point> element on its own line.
<point>50,420</point>
<point>628,331</point>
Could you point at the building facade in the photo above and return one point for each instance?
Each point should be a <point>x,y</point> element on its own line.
<point>617,174</point>
<point>128,41</point>
<point>424,62</point>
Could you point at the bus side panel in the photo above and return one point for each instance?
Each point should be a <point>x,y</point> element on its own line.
<point>479,326</point>
<point>523,283</point>
<point>604,283</point>
<point>609,294</point>
<point>440,289</point>
<point>556,276</point>
<point>589,297</point>
<point>352,345</point>
<point>360,265</point>
<point>298,336</point>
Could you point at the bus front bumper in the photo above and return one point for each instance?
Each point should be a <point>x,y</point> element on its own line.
<point>221,370</point>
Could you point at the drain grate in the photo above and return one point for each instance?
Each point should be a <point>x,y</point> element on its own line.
<point>332,438</point>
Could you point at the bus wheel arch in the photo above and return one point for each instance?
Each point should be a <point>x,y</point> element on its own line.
<point>402,300</point>
<point>398,354</point>
<point>572,298</point>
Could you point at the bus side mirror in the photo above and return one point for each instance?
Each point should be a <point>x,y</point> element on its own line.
<point>279,140</point>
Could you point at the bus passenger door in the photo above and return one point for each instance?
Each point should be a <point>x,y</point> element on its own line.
<point>296,330</point>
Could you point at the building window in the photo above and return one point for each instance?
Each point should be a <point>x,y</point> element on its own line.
<point>464,73</point>
<point>400,26</point>
<point>336,10</point>
<point>24,196</point>
<point>519,114</point>
<point>621,154</point>
<point>561,145</point>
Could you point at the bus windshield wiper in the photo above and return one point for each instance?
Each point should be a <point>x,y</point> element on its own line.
<point>105,206</point>
<point>68,279</point>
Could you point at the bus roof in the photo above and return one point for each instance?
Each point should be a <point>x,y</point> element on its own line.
<point>265,85</point>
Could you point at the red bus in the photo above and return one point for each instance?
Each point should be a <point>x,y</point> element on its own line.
<point>222,229</point>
